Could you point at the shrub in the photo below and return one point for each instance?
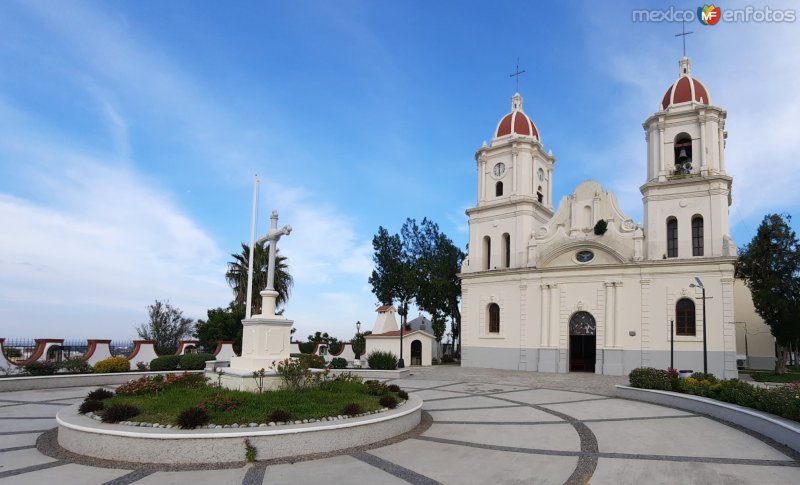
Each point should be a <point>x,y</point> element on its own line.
<point>447,359</point>
<point>306,347</point>
<point>338,363</point>
<point>90,406</point>
<point>334,347</point>
<point>600,227</point>
<point>313,361</point>
<point>388,402</point>
<point>376,388</point>
<point>195,361</point>
<point>394,387</point>
<point>293,373</point>
<point>352,409</point>
<point>99,395</point>
<point>651,378</point>
<point>119,412</point>
<point>142,366</point>
<point>705,377</point>
<point>143,385</point>
<point>280,416</point>
<point>402,395</point>
<point>44,368</point>
<point>192,417</point>
<point>75,366</point>
<point>165,362</point>
<point>381,360</point>
<point>348,377</point>
<point>114,364</point>
<point>220,402</point>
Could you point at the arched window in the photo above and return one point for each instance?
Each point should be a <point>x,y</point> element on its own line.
<point>672,237</point>
<point>506,250</point>
<point>498,189</point>
<point>487,252</point>
<point>697,236</point>
<point>539,194</point>
<point>684,317</point>
<point>683,153</point>
<point>494,318</point>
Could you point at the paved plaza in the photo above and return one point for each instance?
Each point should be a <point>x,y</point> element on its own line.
<point>488,427</point>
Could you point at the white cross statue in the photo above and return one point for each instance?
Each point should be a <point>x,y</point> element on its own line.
<point>272,236</point>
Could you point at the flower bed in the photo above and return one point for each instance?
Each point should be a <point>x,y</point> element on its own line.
<point>188,401</point>
<point>782,401</point>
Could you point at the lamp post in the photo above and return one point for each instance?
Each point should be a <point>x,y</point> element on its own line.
<point>358,328</point>
<point>705,346</point>
<point>671,344</point>
<point>403,312</point>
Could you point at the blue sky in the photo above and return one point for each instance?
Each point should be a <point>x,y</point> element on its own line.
<point>131,132</point>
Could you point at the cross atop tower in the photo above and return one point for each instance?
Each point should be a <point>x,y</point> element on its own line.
<point>516,74</point>
<point>683,34</point>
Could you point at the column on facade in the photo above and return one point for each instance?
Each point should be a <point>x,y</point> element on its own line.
<point>662,170</point>
<point>545,320</point>
<point>617,319</point>
<point>609,315</point>
<point>550,189</point>
<point>554,308</point>
<point>703,165</point>
<point>481,178</point>
<point>721,157</point>
<point>514,160</point>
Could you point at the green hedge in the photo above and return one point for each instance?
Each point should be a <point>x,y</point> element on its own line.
<point>338,363</point>
<point>195,361</point>
<point>782,400</point>
<point>380,360</point>
<point>165,362</point>
<point>114,364</point>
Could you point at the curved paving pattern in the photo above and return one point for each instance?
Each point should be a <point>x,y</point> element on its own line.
<point>481,433</point>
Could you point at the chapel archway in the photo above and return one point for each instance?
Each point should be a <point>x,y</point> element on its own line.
<point>582,342</point>
<point>416,352</point>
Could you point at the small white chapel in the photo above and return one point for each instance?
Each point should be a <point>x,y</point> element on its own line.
<point>581,287</point>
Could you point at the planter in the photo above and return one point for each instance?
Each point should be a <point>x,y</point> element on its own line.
<point>782,430</point>
<point>85,436</point>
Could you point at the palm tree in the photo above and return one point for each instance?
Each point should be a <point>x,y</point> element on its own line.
<point>237,276</point>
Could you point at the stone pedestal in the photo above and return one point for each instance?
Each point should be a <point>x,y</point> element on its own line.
<point>265,340</point>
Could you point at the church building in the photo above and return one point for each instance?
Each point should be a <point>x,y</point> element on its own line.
<point>581,287</point>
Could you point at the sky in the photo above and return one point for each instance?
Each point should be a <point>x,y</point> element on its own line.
<point>130,133</point>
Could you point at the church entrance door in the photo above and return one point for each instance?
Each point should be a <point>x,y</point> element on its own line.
<point>582,342</point>
<point>416,352</point>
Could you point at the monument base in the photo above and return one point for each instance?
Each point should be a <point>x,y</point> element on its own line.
<point>265,342</point>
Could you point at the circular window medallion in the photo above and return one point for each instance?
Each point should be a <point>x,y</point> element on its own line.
<point>584,256</point>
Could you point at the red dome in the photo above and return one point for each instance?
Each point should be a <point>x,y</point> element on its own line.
<point>516,122</point>
<point>685,89</point>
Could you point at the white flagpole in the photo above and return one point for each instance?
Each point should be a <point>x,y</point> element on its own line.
<point>249,308</point>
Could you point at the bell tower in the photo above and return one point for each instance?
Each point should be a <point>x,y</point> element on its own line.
<point>514,195</point>
<point>687,192</point>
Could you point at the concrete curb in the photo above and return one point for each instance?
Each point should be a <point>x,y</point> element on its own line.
<point>374,373</point>
<point>82,435</point>
<point>28,383</point>
<point>779,429</point>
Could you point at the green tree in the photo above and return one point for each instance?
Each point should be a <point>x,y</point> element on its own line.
<point>437,262</point>
<point>166,325</point>
<point>770,266</point>
<point>359,343</point>
<point>222,324</point>
<point>237,276</point>
<point>395,276</point>
<point>334,345</point>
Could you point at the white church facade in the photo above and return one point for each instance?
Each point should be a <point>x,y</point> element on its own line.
<point>584,288</point>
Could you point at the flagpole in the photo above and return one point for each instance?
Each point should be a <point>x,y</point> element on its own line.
<point>249,308</point>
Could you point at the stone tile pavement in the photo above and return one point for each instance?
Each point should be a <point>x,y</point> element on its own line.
<point>488,426</point>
